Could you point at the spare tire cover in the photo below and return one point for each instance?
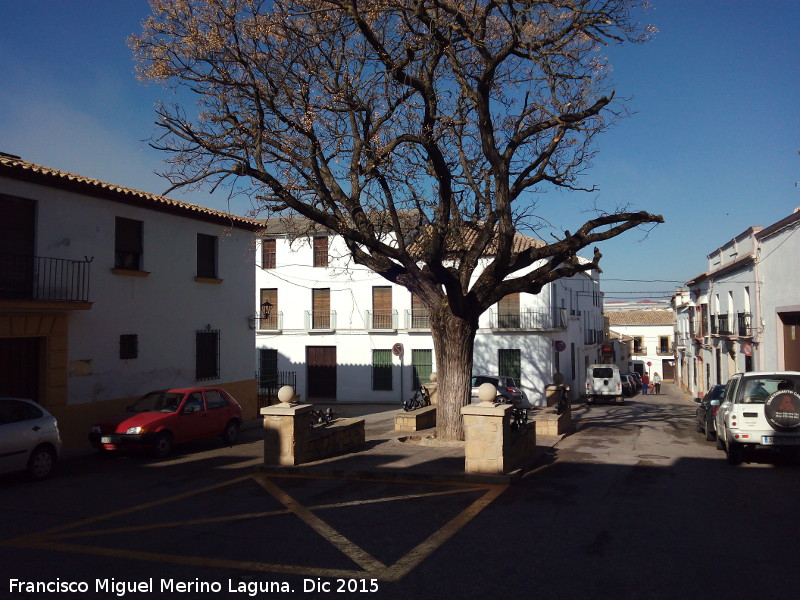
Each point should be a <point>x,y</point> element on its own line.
<point>782,410</point>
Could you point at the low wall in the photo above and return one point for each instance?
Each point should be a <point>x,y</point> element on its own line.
<point>415,420</point>
<point>289,438</point>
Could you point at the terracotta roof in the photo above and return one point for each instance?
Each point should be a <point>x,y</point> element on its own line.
<point>15,167</point>
<point>640,317</point>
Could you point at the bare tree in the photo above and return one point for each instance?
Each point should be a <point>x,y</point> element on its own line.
<point>414,129</point>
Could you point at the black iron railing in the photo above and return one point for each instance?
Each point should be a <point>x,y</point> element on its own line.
<point>44,279</point>
<point>532,319</point>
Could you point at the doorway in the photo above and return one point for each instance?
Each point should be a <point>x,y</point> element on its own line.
<point>321,371</point>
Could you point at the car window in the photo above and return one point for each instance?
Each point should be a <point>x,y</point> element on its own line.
<point>603,373</point>
<point>757,390</point>
<point>214,399</point>
<point>14,411</point>
<point>732,389</point>
<point>478,381</point>
<point>157,402</point>
<point>194,403</point>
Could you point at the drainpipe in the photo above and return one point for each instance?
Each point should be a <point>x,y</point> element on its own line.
<point>757,318</point>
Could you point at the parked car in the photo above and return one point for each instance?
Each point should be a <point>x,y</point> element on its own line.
<point>160,419</point>
<point>29,438</point>
<point>759,411</point>
<point>507,389</point>
<point>637,381</point>
<point>603,382</point>
<point>707,410</point>
<point>629,385</point>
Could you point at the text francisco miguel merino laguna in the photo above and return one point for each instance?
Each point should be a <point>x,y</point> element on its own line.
<point>251,588</point>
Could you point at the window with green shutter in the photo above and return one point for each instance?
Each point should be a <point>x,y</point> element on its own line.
<point>422,365</point>
<point>381,369</point>
<point>509,363</point>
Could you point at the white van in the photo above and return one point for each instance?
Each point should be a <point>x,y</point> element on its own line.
<point>604,382</point>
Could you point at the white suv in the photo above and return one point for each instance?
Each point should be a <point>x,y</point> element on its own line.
<point>759,411</point>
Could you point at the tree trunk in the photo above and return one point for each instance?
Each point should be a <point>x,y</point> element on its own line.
<point>453,342</point>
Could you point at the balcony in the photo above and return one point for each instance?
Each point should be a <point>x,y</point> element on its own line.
<point>723,325</point>
<point>745,324</point>
<point>320,321</point>
<point>42,279</point>
<point>381,320</point>
<point>639,350</point>
<point>272,323</point>
<point>533,320</point>
<point>418,319</point>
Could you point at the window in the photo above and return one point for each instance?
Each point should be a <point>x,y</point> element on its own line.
<point>267,369</point>
<point>128,346</point>
<point>268,254</point>
<point>509,364</point>
<point>206,256</point>
<point>381,369</point>
<point>638,345</point>
<point>382,307</point>
<point>268,309</point>
<point>663,344</point>
<point>321,251</point>
<point>420,317</point>
<point>215,399</point>
<point>321,308</point>
<point>422,367</point>
<point>128,244</point>
<point>508,312</point>
<point>207,355</point>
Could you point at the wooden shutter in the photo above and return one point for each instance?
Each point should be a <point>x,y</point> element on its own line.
<point>321,308</point>
<point>508,309</point>
<point>320,251</point>
<point>382,307</point>
<point>268,250</point>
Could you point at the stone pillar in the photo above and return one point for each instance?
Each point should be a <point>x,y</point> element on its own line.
<point>491,447</point>
<point>433,388</point>
<point>286,429</point>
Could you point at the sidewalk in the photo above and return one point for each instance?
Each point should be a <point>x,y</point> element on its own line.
<point>389,454</point>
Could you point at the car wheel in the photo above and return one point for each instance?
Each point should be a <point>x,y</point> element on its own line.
<point>162,445</point>
<point>698,426</point>
<point>620,400</point>
<point>734,453</point>
<point>231,432</point>
<point>720,446</point>
<point>41,462</point>
<point>710,435</point>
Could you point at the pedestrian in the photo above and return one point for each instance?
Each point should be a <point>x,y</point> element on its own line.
<point>645,383</point>
<point>657,382</point>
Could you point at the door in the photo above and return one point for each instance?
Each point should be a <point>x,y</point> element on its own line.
<point>19,367</point>
<point>321,371</point>
<point>20,427</point>
<point>669,370</point>
<point>791,341</point>
<point>193,419</point>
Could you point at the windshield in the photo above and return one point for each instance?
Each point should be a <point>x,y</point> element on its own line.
<point>157,402</point>
<point>758,389</point>
<point>717,392</point>
<point>603,373</point>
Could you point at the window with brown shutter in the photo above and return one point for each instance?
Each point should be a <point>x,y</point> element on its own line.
<point>321,251</point>
<point>268,254</point>
<point>382,307</point>
<point>508,312</point>
<point>269,312</point>
<point>321,308</point>
<point>420,317</point>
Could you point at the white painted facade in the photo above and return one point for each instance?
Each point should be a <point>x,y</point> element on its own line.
<point>653,334</point>
<point>568,311</point>
<point>163,302</point>
<point>745,309</point>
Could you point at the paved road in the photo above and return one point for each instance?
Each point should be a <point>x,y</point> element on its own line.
<point>634,505</point>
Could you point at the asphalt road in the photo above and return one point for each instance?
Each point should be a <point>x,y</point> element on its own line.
<point>634,505</point>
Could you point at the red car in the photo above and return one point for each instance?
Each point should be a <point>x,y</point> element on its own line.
<point>160,419</point>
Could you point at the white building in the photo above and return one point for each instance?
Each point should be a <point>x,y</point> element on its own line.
<point>652,332</point>
<point>107,293</point>
<point>335,328</point>
<point>744,310</point>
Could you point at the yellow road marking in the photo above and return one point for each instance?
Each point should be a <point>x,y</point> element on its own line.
<point>370,566</point>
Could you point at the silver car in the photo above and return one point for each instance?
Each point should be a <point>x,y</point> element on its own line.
<point>507,389</point>
<point>29,438</point>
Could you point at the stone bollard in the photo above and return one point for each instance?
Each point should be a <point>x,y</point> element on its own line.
<point>433,389</point>
<point>286,429</point>
<point>491,447</point>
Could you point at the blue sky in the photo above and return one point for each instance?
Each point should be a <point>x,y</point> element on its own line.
<point>713,144</point>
